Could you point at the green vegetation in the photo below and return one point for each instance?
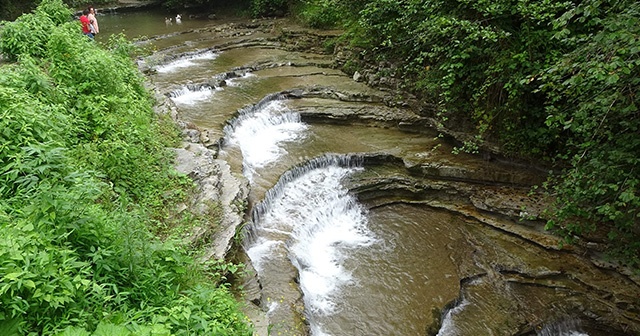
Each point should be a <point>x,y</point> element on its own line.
<point>239,7</point>
<point>552,81</point>
<point>85,181</point>
<point>11,9</point>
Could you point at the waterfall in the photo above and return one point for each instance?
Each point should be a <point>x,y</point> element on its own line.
<point>248,112</point>
<point>448,327</point>
<point>190,94</point>
<point>260,130</point>
<point>308,218</point>
<point>561,327</point>
<point>235,81</point>
<point>325,161</point>
<point>186,60</point>
<point>315,217</point>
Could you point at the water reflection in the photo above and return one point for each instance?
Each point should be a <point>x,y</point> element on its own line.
<point>148,23</point>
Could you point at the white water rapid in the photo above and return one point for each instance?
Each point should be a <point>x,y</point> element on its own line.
<point>186,61</point>
<point>319,222</point>
<point>190,95</point>
<point>261,131</point>
<point>308,212</point>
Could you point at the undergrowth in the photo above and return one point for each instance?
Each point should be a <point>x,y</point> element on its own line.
<point>85,180</point>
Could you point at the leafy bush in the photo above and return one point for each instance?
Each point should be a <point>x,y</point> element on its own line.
<point>320,14</point>
<point>593,103</point>
<point>11,9</point>
<point>30,32</point>
<point>268,7</point>
<point>27,35</point>
<point>84,176</point>
<point>475,58</point>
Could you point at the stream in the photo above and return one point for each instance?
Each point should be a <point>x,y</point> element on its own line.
<point>359,219</point>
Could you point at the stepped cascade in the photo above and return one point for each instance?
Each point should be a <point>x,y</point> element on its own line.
<point>356,218</point>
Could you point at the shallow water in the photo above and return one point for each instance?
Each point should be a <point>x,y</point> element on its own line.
<point>138,25</point>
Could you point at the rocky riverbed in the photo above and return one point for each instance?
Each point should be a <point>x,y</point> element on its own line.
<point>501,258</point>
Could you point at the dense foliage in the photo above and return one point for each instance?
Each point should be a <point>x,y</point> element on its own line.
<point>555,81</point>
<point>85,180</point>
<point>198,7</point>
<point>592,101</point>
<point>11,9</point>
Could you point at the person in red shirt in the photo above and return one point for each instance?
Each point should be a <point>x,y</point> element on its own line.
<point>86,23</point>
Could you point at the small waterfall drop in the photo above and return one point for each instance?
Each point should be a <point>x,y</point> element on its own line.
<point>189,95</point>
<point>236,81</point>
<point>318,221</point>
<point>260,130</point>
<point>325,161</point>
<point>448,327</point>
<point>186,61</point>
<point>562,327</point>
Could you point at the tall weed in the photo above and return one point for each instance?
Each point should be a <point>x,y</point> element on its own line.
<point>84,175</point>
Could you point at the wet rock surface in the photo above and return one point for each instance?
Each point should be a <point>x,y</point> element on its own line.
<point>507,262</point>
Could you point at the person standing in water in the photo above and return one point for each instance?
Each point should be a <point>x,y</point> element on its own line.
<point>92,16</point>
<point>86,23</point>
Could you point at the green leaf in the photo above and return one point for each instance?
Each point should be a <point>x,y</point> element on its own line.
<point>13,276</point>
<point>107,329</point>
<point>74,331</point>
<point>627,196</point>
<point>9,327</point>
<point>29,284</point>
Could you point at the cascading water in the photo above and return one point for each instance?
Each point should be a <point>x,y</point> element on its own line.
<point>309,212</point>
<point>319,221</point>
<point>236,81</point>
<point>448,327</point>
<point>189,95</point>
<point>186,61</point>
<point>260,131</point>
<point>563,327</point>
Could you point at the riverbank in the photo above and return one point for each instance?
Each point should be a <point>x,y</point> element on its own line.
<point>88,196</point>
